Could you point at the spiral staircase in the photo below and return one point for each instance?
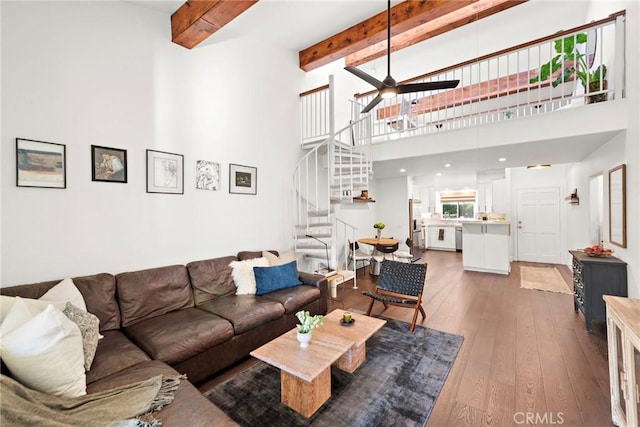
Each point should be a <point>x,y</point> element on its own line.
<point>333,171</point>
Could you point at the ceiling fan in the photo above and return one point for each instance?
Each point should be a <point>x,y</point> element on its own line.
<point>388,88</point>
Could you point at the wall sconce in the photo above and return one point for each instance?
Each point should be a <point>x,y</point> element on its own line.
<point>573,197</point>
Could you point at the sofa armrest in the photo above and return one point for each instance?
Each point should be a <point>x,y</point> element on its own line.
<point>319,282</point>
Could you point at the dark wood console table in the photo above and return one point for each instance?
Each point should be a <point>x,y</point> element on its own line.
<point>594,277</point>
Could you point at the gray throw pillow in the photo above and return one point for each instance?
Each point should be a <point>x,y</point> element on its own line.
<point>89,326</point>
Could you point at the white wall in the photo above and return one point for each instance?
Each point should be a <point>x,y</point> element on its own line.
<point>106,73</point>
<point>631,148</point>
<point>392,207</point>
<point>578,176</point>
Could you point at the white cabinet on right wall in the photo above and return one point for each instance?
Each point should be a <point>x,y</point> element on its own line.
<point>485,247</point>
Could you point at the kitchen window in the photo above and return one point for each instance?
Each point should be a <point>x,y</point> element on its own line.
<point>458,204</point>
<point>457,210</point>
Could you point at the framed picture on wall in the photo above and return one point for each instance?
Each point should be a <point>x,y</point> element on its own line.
<point>207,175</point>
<point>108,164</point>
<point>165,172</point>
<point>40,164</point>
<point>243,179</point>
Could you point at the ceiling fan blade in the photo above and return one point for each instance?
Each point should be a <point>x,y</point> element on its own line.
<point>372,104</point>
<point>366,77</point>
<point>421,87</point>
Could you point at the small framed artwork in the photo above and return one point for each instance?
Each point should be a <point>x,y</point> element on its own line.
<point>108,164</point>
<point>207,175</point>
<point>165,172</point>
<point>40,164</point>
<point>243,179</point>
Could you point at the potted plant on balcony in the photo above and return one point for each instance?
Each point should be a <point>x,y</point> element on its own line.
<point>575,64</point>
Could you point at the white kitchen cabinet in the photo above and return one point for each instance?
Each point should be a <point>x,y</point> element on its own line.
<point>499,202</point>
<point>623,336</point>
<point>484,197</point>
<point>448,243</point>
<point>485,247</point>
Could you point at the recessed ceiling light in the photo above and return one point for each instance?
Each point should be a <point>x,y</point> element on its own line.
<point>439,174</point>
<point>538,166</point>
<point>403,170</point>
<point>447,165</point>
<point>502,159</point>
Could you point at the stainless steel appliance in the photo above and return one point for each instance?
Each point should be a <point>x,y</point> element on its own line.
<point>459,238</point>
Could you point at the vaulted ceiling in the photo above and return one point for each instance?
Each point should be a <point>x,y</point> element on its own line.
<point>412,21</point>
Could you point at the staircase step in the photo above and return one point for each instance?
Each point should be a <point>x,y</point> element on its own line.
<point>348,177</point>
<point>354,185</point>
<point>317,235</point>
<point>348,156</point>
<point>312,246</point>
<point>315,256</point>
<point>315,214</point>
<point>314,225</point>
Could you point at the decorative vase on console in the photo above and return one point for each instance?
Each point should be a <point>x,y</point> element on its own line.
<point>307,323</point>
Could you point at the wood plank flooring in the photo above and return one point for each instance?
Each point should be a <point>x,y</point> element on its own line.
<point>524,351</point>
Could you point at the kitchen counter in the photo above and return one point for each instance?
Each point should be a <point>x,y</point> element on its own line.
<point>486,246</point>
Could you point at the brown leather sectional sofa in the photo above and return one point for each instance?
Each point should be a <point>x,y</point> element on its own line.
<point>182,318</point>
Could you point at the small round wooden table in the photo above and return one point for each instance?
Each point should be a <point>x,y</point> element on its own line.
<point>373,241</point>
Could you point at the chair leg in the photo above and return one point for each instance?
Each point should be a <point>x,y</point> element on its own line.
<point>413,322</point>
<point>422,312</point>
<point>370,307</point>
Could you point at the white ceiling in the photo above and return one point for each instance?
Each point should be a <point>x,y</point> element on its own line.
<point>468,162</point>
<point>293,24</point>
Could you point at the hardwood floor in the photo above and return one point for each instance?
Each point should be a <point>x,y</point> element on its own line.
<point>526,355</point>
<point>525,352</point>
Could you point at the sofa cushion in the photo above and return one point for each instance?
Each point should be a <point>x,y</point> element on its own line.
<point>43,350</point>
<point>211,278</point>
<point>293,299</point>
<point>245,312</point>
<point>98,291</point>
<point>244,255</point>
<point>178,335</point>
<point>115,352</point>
<point>279,260</point>
<point>149,293</point>
<point>189,406</point>
<point>243,276</point>
<point>270,279</point>
<point>89,325</point>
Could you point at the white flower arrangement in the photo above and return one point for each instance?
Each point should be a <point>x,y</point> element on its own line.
<point>308,322</point>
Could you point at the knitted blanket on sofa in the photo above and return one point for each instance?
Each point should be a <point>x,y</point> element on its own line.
<point>130,405</point>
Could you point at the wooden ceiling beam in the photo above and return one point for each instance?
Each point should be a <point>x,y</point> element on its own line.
<point>404,16</point>
<point>437,26</point>
<point>196,20</point>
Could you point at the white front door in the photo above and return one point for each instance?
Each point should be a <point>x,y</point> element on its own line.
<point>538,225</point>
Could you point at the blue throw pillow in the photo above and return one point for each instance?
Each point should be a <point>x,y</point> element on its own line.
<point>269,279</point>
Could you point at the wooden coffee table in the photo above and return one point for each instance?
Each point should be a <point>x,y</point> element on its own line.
<point>305,373</point>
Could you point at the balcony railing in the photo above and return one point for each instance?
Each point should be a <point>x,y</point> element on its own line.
<point>511,83</point>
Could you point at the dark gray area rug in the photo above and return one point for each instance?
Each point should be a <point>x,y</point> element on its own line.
<point>396,386</point>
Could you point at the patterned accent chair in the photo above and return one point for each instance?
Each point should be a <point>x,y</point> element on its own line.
<point>400,284</point>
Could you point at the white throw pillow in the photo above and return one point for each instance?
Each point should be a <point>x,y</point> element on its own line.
<point>243,276</point>
<point>279,260</point>
<point>59,295</point>
<point>44,352</point>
